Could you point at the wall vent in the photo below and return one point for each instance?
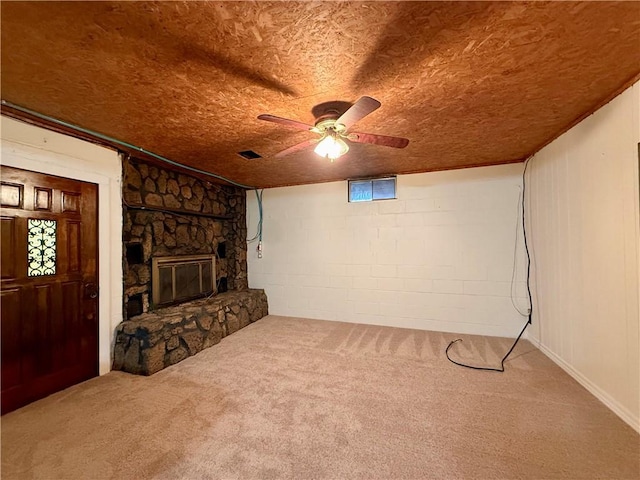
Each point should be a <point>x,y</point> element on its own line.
<point>134,253</point>
<point>222,285</point>
<point>249,155</point>
<point>134,305</point>
<point>222,250</point>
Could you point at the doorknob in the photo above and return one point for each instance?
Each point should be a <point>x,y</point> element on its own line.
<point>90,290</point>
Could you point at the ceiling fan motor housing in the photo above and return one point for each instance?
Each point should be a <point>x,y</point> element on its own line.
<point>328,124</point>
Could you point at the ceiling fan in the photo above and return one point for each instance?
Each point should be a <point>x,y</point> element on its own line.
<point>334,132</point>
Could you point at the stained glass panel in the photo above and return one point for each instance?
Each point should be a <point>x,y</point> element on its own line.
<point>42,247</point>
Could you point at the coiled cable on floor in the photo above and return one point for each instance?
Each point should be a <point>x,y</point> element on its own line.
<point>526,248</point>
<point>490,369</point>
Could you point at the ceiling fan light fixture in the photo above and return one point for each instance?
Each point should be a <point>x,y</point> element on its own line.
<point>331,147</point>
<point>334,129</point>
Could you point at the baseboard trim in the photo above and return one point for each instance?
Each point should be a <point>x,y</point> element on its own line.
<point>613,405</point>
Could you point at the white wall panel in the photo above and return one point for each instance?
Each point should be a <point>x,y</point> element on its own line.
<point>583,208</point>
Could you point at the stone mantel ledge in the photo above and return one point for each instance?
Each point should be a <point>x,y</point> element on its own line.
<point>152,341</point>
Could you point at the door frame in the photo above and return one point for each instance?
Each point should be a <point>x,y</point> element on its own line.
<point>33,148</point>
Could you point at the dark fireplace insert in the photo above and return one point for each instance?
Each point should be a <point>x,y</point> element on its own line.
<point>180,278</point>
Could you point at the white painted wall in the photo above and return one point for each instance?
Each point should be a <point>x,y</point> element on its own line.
<point>438,258</point>
<point>36,149</point>
<point>583,207</point>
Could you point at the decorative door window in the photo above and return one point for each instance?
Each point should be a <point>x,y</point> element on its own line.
<point>41,247</point>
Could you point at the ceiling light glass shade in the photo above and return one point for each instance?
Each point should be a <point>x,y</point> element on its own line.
<point>331,147</point>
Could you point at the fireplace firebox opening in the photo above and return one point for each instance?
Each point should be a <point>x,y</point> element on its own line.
<point>181,278</point>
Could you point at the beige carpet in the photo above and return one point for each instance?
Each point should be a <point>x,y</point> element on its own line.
<point>294,398</point>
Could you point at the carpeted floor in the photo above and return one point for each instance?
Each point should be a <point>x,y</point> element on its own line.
<point>295,398</point>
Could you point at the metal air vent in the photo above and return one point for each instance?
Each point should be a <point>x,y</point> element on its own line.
<point>249,155</point>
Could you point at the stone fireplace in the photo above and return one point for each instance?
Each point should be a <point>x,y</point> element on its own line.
<point>167,215</point>
<point>185,266</point>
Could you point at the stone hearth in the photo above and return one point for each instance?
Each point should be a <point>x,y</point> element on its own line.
<point>152,341</point>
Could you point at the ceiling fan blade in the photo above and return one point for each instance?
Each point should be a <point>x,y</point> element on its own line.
<point>363,107</point>
<point>296,148</point>
<point>395,142</point>
<point>285,121</point>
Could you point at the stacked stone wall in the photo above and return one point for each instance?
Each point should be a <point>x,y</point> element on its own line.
<point>170,213</point>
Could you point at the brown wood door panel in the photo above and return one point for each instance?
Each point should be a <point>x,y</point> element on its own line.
<point>67,347</point>
<point>73,246</point>
<point>42,386</point>
<point>49,322</point>
<point>11,311</point>
<point>40,336</point>
<point>7,234</point>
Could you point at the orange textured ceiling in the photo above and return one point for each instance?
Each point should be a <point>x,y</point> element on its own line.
<point>469,84</point>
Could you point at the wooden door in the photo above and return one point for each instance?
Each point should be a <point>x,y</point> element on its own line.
<point>49,268</point>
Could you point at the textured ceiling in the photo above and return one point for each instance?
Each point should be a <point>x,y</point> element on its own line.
<point>469,84</point>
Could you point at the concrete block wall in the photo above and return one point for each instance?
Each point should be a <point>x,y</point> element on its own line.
<point>439,257</point>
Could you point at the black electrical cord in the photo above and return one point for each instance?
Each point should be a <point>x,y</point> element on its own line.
<point>524,234</point>
<point>491,369</point>
<point>526,248</point>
